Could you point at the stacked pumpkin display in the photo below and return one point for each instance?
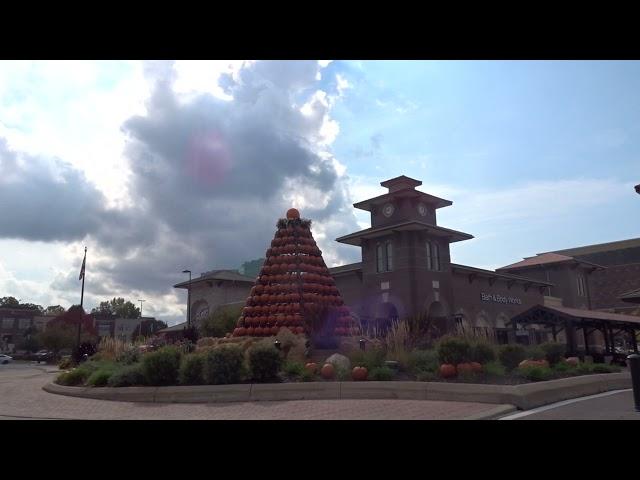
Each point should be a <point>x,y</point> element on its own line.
<point>293,280</point>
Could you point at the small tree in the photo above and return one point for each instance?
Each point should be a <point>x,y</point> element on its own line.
<point>57,337</point>
<point>220,322</point>
<point>147,328</point>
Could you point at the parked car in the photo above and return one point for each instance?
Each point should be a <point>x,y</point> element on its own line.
<point>42,356</point>
<point>4,359</point>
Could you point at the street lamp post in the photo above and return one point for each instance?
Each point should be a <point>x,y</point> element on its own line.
<point>188,299</point>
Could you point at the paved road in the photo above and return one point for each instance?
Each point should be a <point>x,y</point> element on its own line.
<point>21,396</point>
<point>607,406</point>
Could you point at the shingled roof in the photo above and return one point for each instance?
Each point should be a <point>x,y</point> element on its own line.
<point>217,275</point>
<point>544,259</point>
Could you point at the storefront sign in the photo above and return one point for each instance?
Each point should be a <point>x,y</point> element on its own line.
<point>492,297</point>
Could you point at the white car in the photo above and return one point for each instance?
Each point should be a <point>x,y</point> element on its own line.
<point>4,359</point>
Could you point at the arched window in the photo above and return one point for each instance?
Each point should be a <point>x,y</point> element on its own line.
<point>429,260</point>
<point>380,258</point>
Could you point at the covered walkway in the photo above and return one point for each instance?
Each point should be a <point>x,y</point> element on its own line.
<point>574,322</point>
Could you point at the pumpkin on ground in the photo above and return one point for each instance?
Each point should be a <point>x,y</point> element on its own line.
<point>447,370</point>
<point>573,361</point>
<point>464,368</point>
<point>311,367</point>
<point>327,371</point>
<point>359,374</point>
<point>533,363</point>
<point>476,367</point>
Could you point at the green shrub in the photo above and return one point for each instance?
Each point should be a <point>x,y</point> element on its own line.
<point>482,352</point>
<point>554,352</point>
<point>343,374</point>
<point>511,355</point>
<point>534,352</point>
<point>128,357</point>
<point>66,363</point>
<point>381,374</point>
<point>264,362</point>
<point>307,376</point>
<point>423,361</point>
<point>536,373</point>
<point>127,376</point>
<point>370,359</point>
<point>426,376</point>
<point>469,377</point>
<point>223,365</point>
<point>220,322</point>
<point>161,367</point>
<point>603,368</point>
<point>494,369</point>
<point>453,350</point>
<point>294,369</point>
<point>100,377</point>
<point>562,367</point>
<point>191,368</point>
<point>72,378</point>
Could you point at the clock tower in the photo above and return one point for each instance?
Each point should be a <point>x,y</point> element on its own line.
<point>405,256</point>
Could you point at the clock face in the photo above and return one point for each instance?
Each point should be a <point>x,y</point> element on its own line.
<point>387,210</point>
<point>422,209</point>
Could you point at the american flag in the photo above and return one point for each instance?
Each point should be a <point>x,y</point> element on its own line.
<point>83,263</point>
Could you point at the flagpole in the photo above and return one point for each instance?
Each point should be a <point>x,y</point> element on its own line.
<point>81,299</point>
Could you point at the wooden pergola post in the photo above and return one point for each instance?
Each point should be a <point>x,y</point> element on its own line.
<point>586,339</point>
<point>634,341</point>
<point>607,347</point>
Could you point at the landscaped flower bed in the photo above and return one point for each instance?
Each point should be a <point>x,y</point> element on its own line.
<point>216,362</point>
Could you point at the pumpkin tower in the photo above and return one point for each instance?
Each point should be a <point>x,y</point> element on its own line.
<point>294,288</point>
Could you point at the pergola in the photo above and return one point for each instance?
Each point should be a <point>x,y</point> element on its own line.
<point>571,320</point>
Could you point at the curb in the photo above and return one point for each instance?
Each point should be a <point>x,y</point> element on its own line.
<point>523,397</point>
<point>493,414</point>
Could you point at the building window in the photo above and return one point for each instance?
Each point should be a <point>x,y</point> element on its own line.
<point>7,323</point>
<point>436,257</point>
<point>429,260</point>
<point>384,257</point>
<point>582,290</point>
<point>24,323</point>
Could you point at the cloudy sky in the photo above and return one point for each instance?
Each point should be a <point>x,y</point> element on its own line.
<point>161,166</point>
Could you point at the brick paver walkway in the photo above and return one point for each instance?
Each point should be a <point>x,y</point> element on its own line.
<point>21,396</point>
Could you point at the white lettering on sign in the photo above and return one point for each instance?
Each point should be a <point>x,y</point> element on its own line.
<point>492,297</point>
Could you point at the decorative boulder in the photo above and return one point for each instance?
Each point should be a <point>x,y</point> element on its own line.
<point>339,361</point>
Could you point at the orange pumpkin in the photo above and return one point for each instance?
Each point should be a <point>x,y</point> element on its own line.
<point>447,370</point>
<point>463,368</point>
<point>311,367</point>
<point>359,374</point>
<point>241,332</point>
<point>250,331</point>
<point>574,361</point>
<point>274,330</point>
<point>327,371</point>
<point>476,367</point>
<point>299,330</point>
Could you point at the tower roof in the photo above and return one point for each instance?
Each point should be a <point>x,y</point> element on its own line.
<point>402,187</point>
<point>400,183</point>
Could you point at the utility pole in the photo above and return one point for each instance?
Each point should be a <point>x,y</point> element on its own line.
<point>82,275</point>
